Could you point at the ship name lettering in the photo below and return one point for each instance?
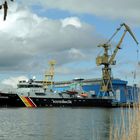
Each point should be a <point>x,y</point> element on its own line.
<point>62,101</point>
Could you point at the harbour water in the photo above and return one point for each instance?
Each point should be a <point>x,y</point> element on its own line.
<point>57,123</point>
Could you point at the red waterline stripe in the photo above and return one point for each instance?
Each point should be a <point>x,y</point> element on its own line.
<point>30,102</point>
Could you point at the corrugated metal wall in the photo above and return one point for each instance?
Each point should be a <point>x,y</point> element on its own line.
<point>124,93</point>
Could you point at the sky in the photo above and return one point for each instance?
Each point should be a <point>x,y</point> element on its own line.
<point>68,31</point>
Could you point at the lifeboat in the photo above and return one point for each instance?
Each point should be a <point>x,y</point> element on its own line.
<point>72,92</point>
<point>84,95</point>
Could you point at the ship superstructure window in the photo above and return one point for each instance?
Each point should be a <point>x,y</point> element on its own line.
<point>35,86</point>
<point>29,86</point>
<point>40,94</point>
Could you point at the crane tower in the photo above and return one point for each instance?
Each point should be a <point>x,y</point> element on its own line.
<point>49,74</point>
<point>107,60</point>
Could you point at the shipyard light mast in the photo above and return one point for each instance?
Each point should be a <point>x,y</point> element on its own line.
<point>49,75</point>
<point>4,6</point>
<point>107,60</point>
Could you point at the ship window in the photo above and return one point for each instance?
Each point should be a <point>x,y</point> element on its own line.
<point>40,94</point>
<point>35,86</point>
<point>22,86</point>
<point>29,86</point>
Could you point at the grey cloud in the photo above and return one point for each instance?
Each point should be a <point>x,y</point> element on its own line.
<point>126,10</point>
<point>29,41</point>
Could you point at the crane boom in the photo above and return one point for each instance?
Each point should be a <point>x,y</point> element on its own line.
<point>127,29</point>
<point>117,30</point>
<point>131,33</point>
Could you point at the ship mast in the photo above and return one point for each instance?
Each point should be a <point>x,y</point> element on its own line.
<point>106,60</point>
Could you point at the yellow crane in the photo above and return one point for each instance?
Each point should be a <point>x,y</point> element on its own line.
<point>49,75</point>
<point>106,60</point>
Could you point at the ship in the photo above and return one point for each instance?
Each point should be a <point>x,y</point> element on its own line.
<point>32,94</point>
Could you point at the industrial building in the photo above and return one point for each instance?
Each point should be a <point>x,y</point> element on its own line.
<point>123,92</point>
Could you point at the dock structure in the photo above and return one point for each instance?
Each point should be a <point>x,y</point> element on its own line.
<point>124,92</point>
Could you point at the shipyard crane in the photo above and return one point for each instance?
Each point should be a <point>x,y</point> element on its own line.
<point>49,75</point>
<point>106,60</point>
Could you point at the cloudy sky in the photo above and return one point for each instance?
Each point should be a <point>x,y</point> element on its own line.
<point>67,31</point>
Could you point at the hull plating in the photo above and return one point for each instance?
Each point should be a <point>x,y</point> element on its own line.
<point>13,100</point>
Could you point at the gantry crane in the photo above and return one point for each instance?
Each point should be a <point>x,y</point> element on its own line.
<point>49,75</point>
<point>106,60</point>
